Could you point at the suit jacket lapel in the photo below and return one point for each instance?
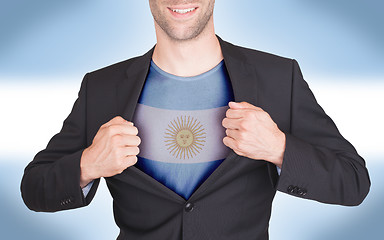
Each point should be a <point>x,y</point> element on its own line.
<point>129,88</point>
<point>241,73</point>
<point>243,79</point>
<point>128,93</point>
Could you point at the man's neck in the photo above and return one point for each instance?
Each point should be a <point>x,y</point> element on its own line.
<point>187,58</point>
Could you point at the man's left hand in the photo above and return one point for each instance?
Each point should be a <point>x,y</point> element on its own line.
<point>252,133</point>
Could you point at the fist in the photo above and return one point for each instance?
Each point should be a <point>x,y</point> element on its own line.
<point>114,148</point>
<point>252,133</point>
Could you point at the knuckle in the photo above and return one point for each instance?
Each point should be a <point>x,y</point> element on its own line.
<point>260,109</point>
<point>243,135</point>
<point>118,165</point>
<point>112,129</point>
<point>121,168</point>
<point>115,139</point>
<point>243,124</point>
<point>249,114</point>
<point>121,164</point>
<point>264,115</point>
<point>116,154</point>
<point>103,126</point>
<point>237,145</point>
<point>118,119</point>
<point>267,115</point>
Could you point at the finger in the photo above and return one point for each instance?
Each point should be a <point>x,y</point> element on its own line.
<point>228,141</point>
<point>235,113</point>
<point>240,105</point>
<point>125,140</point>
<point>231,143</point>
<point>117,120</point>
<point>130,151</point>
<point>130,140</point>
<point>121,129</point>
<point>126,162</point>
<point>122,152</point>
<point>130,160</point>
<point>231,123</point>
<point>233,133</point>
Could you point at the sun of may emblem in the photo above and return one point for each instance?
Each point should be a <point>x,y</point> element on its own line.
<point>184,137</point>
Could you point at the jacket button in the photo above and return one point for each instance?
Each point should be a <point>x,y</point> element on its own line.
<point>66,201</point>
<point>291,189</point>
<point>189,207</point>
<point>302,192</point>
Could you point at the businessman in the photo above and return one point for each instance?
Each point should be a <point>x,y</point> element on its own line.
<point>194,138</point>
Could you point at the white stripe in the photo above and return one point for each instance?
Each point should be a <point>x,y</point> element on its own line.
<point>155,129</point>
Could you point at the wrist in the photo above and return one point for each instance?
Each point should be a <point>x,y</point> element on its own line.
<point>279,151</point>
<point>85,176</point>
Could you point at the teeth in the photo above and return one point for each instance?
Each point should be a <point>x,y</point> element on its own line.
<point>182,11</point>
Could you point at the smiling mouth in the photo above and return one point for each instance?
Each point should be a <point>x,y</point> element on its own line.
<point>178,12</point>
<point>183,11</point>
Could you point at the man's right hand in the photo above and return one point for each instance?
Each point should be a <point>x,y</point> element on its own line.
<point>113,149</point>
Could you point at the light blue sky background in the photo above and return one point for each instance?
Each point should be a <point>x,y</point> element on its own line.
<point>46,47</point>
<point>50,37</point>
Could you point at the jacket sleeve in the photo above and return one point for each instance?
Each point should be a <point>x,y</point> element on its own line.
<point>319,163</point>
<point>51,182</point>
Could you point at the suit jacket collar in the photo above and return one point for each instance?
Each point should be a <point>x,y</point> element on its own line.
<point>242,75</point>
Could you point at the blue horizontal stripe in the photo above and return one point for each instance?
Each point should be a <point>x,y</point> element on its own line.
<point>182,178</point>
<point>211,89</point>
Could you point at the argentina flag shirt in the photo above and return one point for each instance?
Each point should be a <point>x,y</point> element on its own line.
<point>179,123</point>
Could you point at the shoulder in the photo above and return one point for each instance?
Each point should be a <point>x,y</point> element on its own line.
<point>256,57</point>
<point>113,72</point>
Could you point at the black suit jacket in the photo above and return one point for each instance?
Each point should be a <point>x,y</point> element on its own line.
<point>235,201</point>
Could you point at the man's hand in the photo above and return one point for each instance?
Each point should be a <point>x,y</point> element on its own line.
<point>252,133</point>
<point>113,149</point>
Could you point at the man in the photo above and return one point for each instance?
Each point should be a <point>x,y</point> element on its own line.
<point>191,138</point>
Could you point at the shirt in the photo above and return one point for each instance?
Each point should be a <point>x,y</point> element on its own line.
<point>179,123</point>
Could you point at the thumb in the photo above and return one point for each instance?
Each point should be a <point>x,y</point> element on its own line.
<point>238,105</point>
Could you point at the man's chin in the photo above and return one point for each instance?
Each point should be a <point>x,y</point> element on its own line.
<point>184,36</point>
